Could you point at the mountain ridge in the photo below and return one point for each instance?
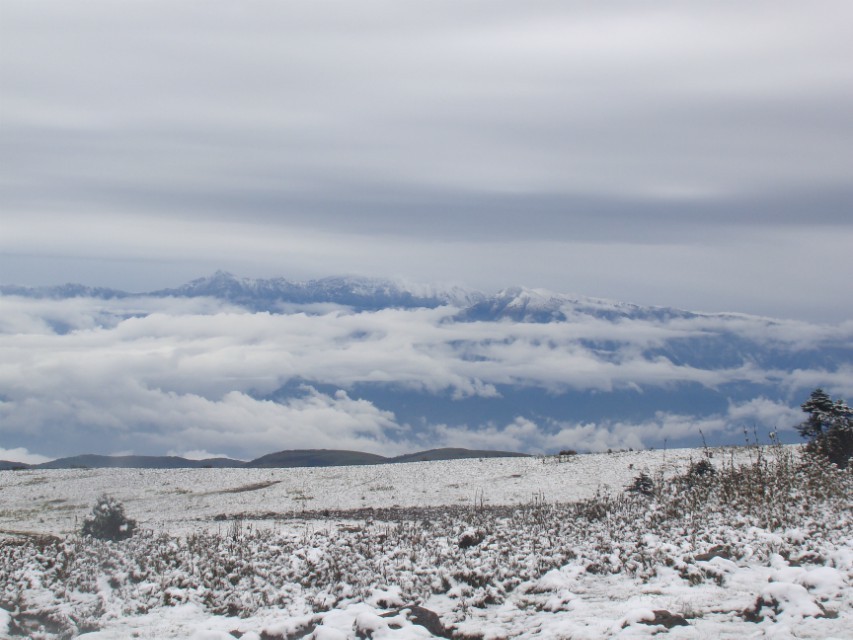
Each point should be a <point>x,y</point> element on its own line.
<point>285,459</point>
<point>520,304</point>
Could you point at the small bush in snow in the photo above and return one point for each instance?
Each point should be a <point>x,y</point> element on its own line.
<point>108,521</point>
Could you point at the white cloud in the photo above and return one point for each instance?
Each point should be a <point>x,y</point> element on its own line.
<point>153,419</point>
<point>837,382</point>
<point>197,454</point>
<point>20,454</point>
<point>551,435</point>
<point>209,355</point>
<point>762,411</point>
<point>518,435</point>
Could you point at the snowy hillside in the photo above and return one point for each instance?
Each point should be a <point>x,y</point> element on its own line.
<point>717,544</point>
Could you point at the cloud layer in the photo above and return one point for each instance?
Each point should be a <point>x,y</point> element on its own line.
<point>154,375</point>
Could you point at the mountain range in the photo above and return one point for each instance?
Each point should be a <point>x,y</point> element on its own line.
<point>519,304</point>
<point>724,345</point>
<point>272,294</point>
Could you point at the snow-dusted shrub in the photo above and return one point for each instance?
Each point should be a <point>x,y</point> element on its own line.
<point>108,521</point>
<point>775,489</point>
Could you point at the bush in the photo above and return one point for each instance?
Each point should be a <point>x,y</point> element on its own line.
<point>108,521</point>
<point>829,428</point>
<point>642,484</point>
<point>700,471</point>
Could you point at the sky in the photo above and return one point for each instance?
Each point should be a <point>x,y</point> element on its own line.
<point>692,154</point>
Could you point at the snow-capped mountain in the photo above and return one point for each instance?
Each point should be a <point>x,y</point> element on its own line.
<point>271,293</point>
<point>539,305</point>
<point>516,303</point>
<point>358,293</point>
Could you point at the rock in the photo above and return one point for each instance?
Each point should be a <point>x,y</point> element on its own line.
<point>423,617</point>
<point>666,619</point>
<point>717,551</point>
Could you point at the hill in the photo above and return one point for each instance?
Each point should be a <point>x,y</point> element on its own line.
<point>6,465</point>
<point>278,460</point>
<point>453,454</point>
<point>315,458</point>
<point>92,461</point>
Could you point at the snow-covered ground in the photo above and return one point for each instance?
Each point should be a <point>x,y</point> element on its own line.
<point>493,548</point>
<point>180,500</point>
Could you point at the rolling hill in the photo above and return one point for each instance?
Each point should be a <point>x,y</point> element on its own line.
<point>278,460</point>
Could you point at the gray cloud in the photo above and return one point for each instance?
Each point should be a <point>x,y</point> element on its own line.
<point>680,154</point>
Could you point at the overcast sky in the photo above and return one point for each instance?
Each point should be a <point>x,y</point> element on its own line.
<point>692,154</point>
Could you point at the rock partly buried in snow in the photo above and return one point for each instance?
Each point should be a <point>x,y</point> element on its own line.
<point>422,617</point>
<point>291,628</point>
<point>658,617</point>
<point>784,599</point>
<point>667,619</point>
<point>717,551</point>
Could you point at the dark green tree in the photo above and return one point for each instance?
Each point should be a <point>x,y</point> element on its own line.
<point>828,428</point>
<point>642,484</point>
<point>108,521</point>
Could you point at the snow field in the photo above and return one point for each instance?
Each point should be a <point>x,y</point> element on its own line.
<point>179,501</point>
<point>719,562</point>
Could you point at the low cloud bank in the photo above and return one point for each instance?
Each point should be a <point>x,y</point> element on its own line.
<point>552,435</point>
<point>158,375</point>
